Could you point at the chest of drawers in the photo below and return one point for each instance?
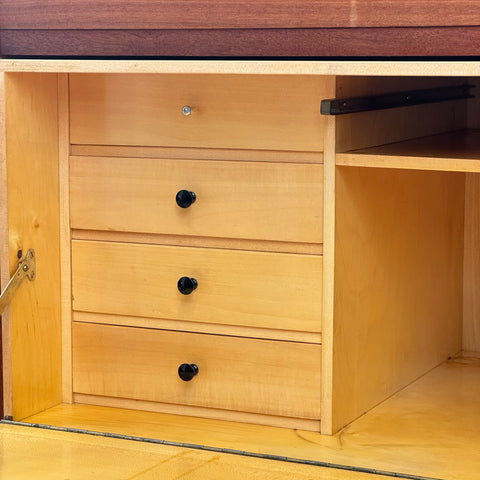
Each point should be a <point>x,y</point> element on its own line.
<point>203,220</point>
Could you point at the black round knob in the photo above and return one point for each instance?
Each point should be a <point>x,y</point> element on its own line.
<point>187,285</point>
<point>185,198</point>
<point>186,371</point>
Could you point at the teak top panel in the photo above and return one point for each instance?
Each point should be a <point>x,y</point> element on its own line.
<point>207,14</point>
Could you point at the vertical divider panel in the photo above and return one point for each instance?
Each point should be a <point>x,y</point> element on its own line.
<point>328,268</point>
<point>34,341</point>
<point>65,235</point>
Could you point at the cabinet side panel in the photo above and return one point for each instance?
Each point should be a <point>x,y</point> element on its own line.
<point>5,368</point>
<point>398,281</point>
<point>33,222</point>
<point>471,273</point>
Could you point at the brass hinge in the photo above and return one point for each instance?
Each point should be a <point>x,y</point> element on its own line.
<point>26,268</point>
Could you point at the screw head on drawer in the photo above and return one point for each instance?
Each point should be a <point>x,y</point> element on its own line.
<point>186,371</point>
<point>187,110</point>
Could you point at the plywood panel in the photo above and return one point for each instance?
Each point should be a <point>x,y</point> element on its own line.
<point>3,245</point>
<point>368,129</point>
<point>34,338</point>
<point>249,200</point>
<point>471,273</point>
<point>257,376</point>
<point>456,151</point>
<point>398,281</point>
<point>278,291</point>
<point>65,235</point>
<point>423,68</point>
<point>275,113</point>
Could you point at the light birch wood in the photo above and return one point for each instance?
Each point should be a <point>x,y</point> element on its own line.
<point>43,455</point>
<point>328,278</point>
<point>199,412</point>
<point>197,327</point>
<point>197,153</point>
<point>65,236</point>
<point>247,375</point>
<point>4,259</point>
<point>429,429</point>
<point>398,281</point>
<point>268,290</point>
<point>457,151</point>
<point>471,265</point>
<point>33,219</point>
<point>193,241</point>
<point>378,127</point>
<point>265,201</point>
<point>251,67</point>
<point>257,112</point>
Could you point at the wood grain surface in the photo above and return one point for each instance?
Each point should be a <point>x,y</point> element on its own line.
<point>256,289</point>
<point>281,42</point>
<point>188,14</point>
<point>242,374</point>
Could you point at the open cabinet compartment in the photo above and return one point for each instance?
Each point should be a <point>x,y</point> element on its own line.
<point>400,277</point>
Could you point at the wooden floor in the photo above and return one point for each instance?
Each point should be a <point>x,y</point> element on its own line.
<point>431,429</point>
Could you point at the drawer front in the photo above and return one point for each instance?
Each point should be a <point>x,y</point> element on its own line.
<point>243,111</point>
<point>255,289</point>
<point>241,374</point>
<point>247,200</point>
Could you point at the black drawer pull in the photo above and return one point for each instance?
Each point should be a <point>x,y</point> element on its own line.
<point>186,371</point>
<point>185,198</point>
<point>186,285</point>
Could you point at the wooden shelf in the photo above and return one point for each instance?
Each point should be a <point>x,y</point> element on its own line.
<point>457,151</point>
<point>429,429</point>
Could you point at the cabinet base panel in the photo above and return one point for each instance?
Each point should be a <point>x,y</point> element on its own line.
<point>431,428</point>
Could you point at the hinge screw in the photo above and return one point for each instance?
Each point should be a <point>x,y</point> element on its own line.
<point>25,268</point>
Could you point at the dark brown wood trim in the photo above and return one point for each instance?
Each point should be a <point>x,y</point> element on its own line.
<point>201,14</point>
<point>371,42</point>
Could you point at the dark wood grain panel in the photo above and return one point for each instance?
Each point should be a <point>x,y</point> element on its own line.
<point>174,14</point>
<point>447,41</point>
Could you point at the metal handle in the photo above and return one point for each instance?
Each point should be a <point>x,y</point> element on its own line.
<point>186,371</point>
<point>26,268</point>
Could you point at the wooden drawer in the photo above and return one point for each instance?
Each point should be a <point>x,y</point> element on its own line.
<point>247,200</point>
<point>235,111</point>
<point>246,375</point>
<point>256,289</point>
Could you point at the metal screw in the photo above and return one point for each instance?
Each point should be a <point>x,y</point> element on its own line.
<point>187,110</point>
<point>25,268</point>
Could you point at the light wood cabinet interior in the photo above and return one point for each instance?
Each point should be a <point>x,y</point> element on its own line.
<point>384,239</point>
